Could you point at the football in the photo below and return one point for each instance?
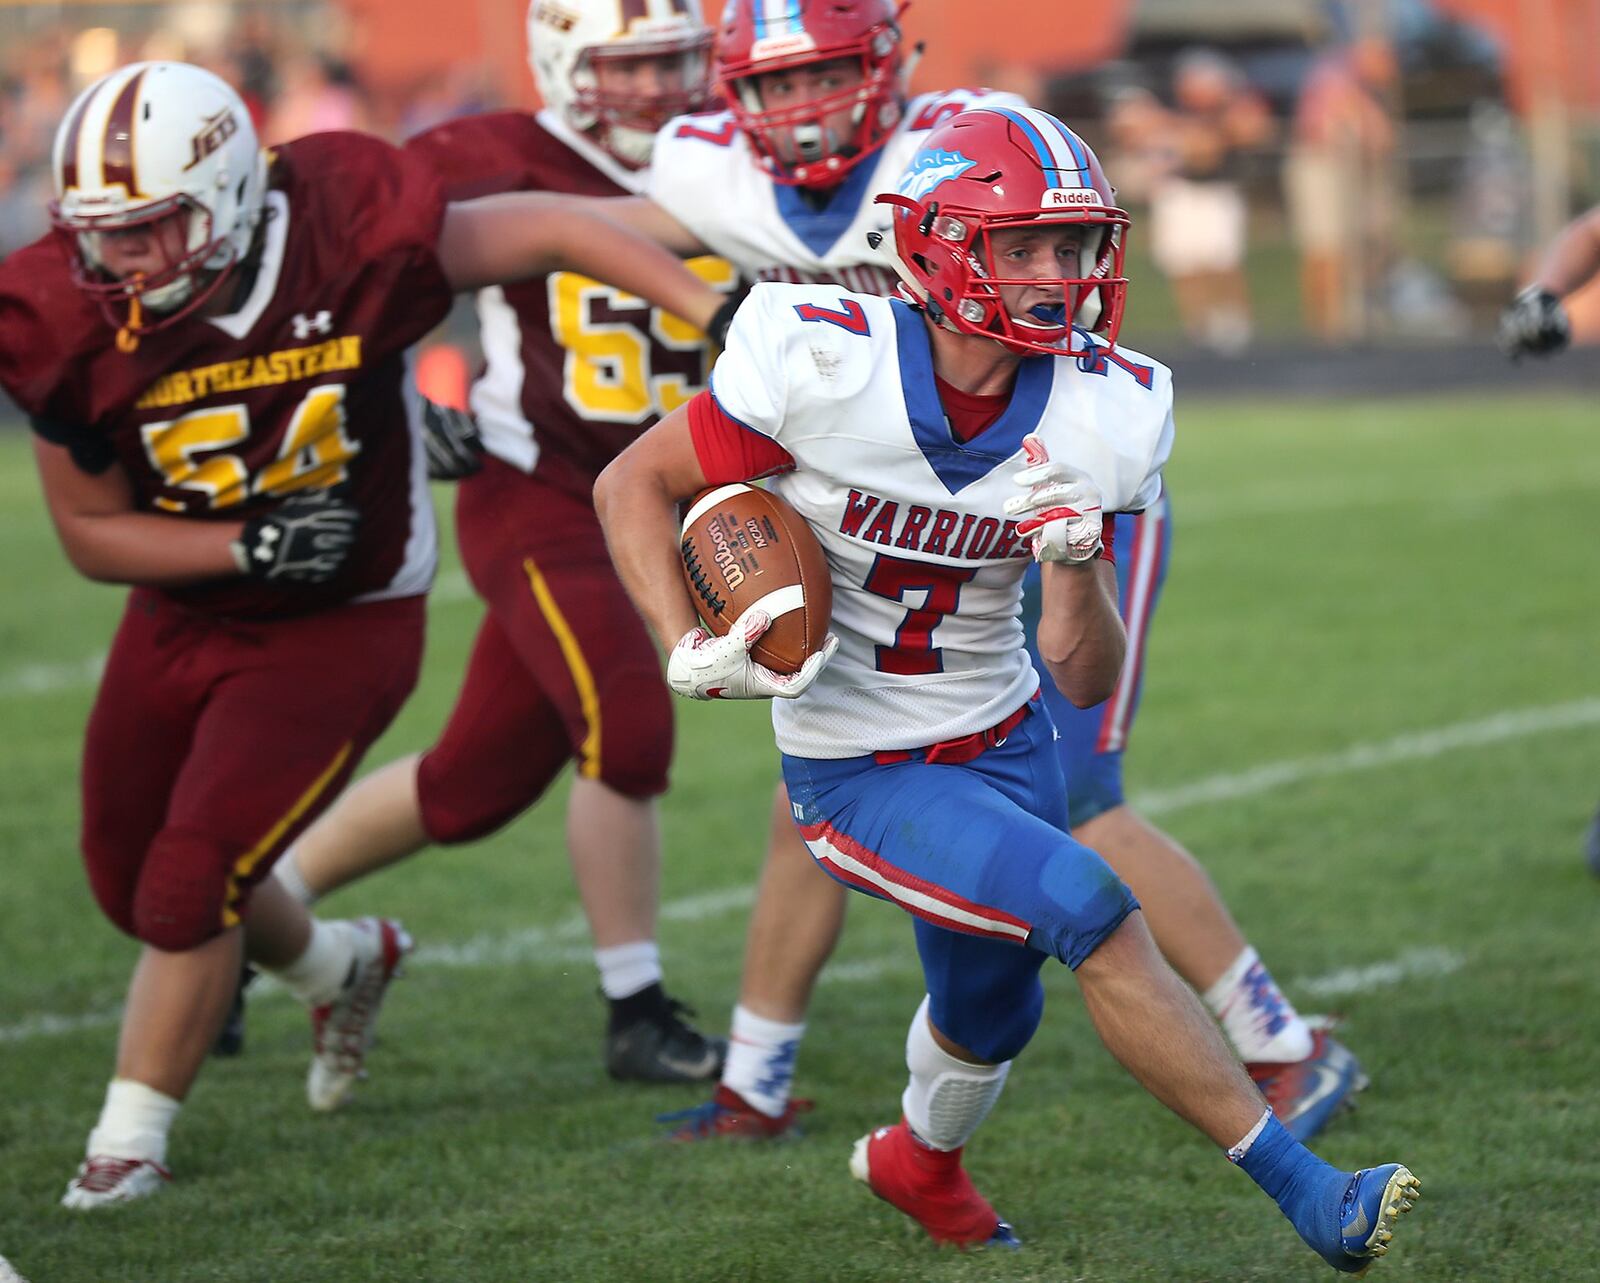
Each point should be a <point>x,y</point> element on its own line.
<point>743,546</point>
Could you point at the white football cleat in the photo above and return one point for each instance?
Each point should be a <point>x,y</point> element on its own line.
<point>343,1030</point>
<point>102,1181</point>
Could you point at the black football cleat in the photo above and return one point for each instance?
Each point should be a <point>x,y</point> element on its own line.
<point>649,1041</point>
<point>230,1038</point>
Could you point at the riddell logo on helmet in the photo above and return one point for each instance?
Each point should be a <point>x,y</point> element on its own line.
<point>779,46</point>
<point>215,132</point>
<point>1070,198</point>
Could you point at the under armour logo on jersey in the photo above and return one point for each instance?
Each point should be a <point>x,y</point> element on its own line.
<point>267,546</point>
<point>305,326</point>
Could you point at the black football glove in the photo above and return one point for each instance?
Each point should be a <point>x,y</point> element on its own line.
<point>1535,324</point>
<point>717,330</point>
<point>452,440</point>
<point>304,540</point>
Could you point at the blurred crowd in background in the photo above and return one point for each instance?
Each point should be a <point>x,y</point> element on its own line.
<point>1365,182</point>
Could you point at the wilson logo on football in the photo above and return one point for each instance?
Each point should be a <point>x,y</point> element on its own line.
<point>1070,198</point>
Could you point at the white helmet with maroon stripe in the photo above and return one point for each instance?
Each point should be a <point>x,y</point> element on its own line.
<point>566,38</point>
<point>139,145</point>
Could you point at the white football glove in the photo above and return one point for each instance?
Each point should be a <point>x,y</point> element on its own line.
<point>1061,509</point>
<point>705,667</point>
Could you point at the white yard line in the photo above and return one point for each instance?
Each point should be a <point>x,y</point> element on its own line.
<point>566,942</point>
<point>44,679</point>
<point>1412,747</point>
<point>1413,964</point>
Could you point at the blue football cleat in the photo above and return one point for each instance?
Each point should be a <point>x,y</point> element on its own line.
<point>1350,1234</point>
<point>1591,845</point>
<point>1305,1094</point>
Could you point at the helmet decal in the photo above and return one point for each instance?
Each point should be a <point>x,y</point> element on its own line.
<point>929,168</point>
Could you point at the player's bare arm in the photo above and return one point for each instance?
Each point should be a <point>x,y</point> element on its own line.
<point>1536,322</point>
<point>108,540</point>
<point>518,235</point>
<point>1572,261</point>
<point>642,215</point>
<point>637,500</point>
<point>1081,635</point>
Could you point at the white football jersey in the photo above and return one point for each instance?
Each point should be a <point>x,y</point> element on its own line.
<point>703,174</point>
<point>927,569</point>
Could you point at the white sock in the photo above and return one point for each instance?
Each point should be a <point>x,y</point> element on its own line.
<point>946,1098</point>
<point>627,968</point>
<point>317,975</point>
<point>1260,1022</point>
<point>134,1122</point>
<point>287,871</point>
<point>761,1056</point>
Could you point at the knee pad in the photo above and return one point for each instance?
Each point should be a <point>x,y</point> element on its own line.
<point>184,889</point>
<point>635,761</point>
<point>946,1098</point>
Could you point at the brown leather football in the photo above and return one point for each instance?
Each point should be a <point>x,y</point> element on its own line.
<point>743,547</point>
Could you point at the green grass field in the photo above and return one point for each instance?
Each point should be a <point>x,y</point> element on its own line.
<point>1394,605</point>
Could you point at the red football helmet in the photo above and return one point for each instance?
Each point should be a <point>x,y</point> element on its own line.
<point>796,144</point>
<point>993,169</point>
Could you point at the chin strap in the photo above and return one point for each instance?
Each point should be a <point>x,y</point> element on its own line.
<point>128,334</point>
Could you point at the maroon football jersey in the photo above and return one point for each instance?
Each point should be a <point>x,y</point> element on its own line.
<point>302,386</point>
<point>573,369</point>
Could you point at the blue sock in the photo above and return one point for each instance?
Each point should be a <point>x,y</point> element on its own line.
<point>1298,1182</point>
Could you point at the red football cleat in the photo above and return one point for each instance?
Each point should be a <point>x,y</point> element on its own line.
<point>930,1186</point>
<point>727,1115</point>
<point>1307,1094</point>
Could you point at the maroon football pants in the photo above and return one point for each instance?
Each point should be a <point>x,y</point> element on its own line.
<point>213,743</point>
<point>563,668</point>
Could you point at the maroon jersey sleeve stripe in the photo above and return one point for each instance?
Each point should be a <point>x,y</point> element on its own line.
<point>116,156</point>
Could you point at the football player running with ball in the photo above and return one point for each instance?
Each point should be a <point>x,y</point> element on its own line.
<point>1536,324</point>
<point>918,760</point>
<point>563,670</point>
<point>211,349</point>
<point>781,185</point>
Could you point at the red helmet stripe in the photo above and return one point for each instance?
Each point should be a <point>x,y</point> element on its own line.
<point>116,152</point>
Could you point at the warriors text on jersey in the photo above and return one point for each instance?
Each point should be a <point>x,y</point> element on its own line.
<point>704,176</point>
<point>574,369</point>
<point>301,386</point>
<point>927,571</point>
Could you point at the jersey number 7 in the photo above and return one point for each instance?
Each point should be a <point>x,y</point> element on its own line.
<point>913,653</point>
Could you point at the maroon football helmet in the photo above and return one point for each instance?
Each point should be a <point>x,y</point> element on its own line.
<point>797,144</point>
<point>993,169</point>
